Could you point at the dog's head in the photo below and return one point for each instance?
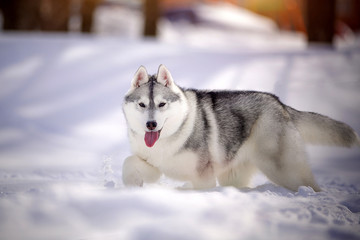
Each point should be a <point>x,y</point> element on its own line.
<point>154,106</point>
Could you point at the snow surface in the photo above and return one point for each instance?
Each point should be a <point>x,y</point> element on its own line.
<point>63,137</point>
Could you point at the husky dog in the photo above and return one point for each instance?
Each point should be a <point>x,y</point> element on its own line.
<point>205,137</point>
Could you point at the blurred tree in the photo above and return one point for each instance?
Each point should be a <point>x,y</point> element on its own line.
<point>88,8</point>
<point>151,16</point>
<point>320,20</point>
<point>47,15</point>
<point>20,14</point>
<point>55,15</point>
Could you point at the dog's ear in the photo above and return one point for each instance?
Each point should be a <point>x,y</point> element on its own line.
<point>164,76</point>
<point>141,77</point>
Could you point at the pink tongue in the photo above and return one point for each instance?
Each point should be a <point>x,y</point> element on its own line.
<point>151,138</point>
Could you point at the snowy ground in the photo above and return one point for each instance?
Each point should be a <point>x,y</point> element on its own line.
<point>63,138</point>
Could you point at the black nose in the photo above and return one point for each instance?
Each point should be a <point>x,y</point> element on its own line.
<point>151,125</point>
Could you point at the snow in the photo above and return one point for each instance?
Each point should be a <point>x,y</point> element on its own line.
<point>63,137</point>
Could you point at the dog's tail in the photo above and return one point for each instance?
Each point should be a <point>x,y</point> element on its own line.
<point>319,129</point>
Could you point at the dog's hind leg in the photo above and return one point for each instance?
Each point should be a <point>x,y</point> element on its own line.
<point>285,161</point>
<point>238,176</point>
<point>136,172</point>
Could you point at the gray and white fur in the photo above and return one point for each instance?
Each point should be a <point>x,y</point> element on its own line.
<point>205,137</point>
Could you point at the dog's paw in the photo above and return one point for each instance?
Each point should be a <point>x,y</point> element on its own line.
<point>133,179</point>
<point>136,172</point>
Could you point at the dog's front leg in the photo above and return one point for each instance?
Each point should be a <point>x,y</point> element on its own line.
<point>136,171</point>
<point>204,182</point>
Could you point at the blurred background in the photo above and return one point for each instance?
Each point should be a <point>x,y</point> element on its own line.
<point>320,20</point>
<point>65,66</point>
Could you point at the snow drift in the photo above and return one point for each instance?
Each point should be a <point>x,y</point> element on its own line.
<point>63,139</point>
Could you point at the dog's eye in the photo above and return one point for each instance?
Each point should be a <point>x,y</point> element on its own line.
<point>162,104</point>
<point>142,105</point>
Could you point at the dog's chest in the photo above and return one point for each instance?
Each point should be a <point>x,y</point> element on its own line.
<point>182,166</point>
<point>179,165</point>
